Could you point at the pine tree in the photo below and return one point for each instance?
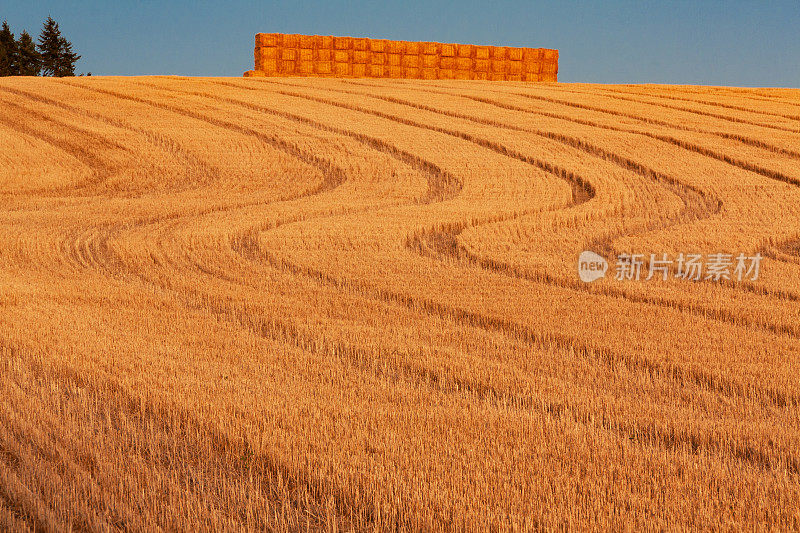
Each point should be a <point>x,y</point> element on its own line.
<point>29,58</point>
<point>9,59</point>
<point>50,47</point>
<point>66,58</point>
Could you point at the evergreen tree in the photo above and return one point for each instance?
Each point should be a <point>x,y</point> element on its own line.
<point>50,47</point>
<point>66,58</point>
<point>29,59</point>
<point>9,59</point>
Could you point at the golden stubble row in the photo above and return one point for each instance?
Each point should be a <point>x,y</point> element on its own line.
<point>270,356</point>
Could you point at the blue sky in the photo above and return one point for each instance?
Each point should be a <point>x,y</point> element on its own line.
<point>738,43</point>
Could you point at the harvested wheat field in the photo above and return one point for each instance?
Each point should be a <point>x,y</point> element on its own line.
<point>291,303</point>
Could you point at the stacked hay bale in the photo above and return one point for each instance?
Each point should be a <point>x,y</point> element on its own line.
<point>278,54</point>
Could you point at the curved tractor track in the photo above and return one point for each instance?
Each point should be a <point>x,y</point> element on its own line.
<point>330,304</point>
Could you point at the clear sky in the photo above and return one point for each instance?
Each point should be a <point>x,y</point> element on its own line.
<point>755,43</point>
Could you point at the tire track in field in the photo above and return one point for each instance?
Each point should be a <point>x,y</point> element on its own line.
<point>751,94</point>
<point>274,141</point>
<point>235,457</point>
<point>701,379</point>
<point>727,118</point>
<point>745,454</point>
<point>446,190</point>
<point>698,204</point>
<point>443,242</point>
<point>199,171</point>
<point>692,100</point>
<point>76,149</point>
<point>663,439</point>
<point>418,375</point>
<point>780,295</point>
<point>335,176</point>
<point>756,143</point>
<point>696,148</point>
<point>603,244</point>
<point>90,248</point>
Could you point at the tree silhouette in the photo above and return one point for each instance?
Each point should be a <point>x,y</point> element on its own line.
<point>29,59</point>
<point>9,58</point>
<point>49,47</point>
<point>66,58</point>
<point>57,56</point>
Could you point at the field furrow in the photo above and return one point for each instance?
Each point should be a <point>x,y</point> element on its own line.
<point>290,303</point>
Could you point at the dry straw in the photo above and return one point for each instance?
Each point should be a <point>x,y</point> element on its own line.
<point>278,54</point>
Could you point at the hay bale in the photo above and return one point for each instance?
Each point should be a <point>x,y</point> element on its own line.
<point>286,67</point>
<point>290,40</point>
<point>531,54</point>
<point>323,41</point>
<point>549,67</point>
<point>411,61</point>
<point>270,66</point>
<point>305,67</point>
<point>305,41</point>
<point>531,67</point>
<point>293,54</point>
<point>323,67</point>
<point>343,43</point>
<point>254,74</point>
<point>464,63</point>
<point>266,52</point>
<point>342,69</point>
<point>268,39</point>
<point>396,47</point>
<point>430,61</point>
<point>429,48</point>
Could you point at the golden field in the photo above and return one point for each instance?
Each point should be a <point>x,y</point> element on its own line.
<point>249,304</point>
